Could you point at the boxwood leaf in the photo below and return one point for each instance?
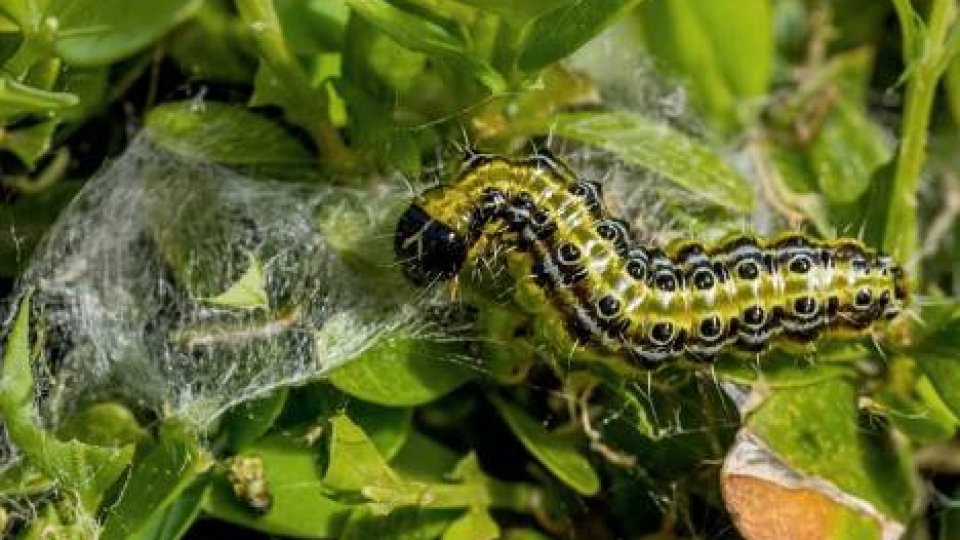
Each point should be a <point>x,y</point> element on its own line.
<point>157,481</point>
<point>248,292</point>
<point>401,524</point>
<point>80,468</point>
<point>557,33</point>
<point>300,507</point>
<point>559,456</point>
<point>476,524</point>
<point>354,462</point>
<point>96,32</point>
<point>937,357</point>
<point>845,153</point>
<point>656,146</point>
<point>18,98</point>
<point>250,420</point>
<point>224,134</point>
<point>424,36</point>
<point>724,54</point>
<point>175,520</point>
<point>815,430</point>
<point>402,371</point>
<point>103,424</point>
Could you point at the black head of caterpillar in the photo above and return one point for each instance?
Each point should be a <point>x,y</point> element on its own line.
<point>435,234</point>
<point>588,286</point>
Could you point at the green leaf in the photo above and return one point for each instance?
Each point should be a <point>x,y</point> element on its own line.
<point>224,134</point>
<point>782,369</point>
<point>476,524</point>
<point>951,84</point>
<point>875,206</point>
<point>175,520</point>
<point>23,478</point>
<point>103,424</point>
<point>848,148</point>
<point>387,427</point>
<point>212,46</point>
<point>914,34</point>
<point>10,39</point>
<point>525,534</point>
<point>922,417</point>
<point>248,292</point>
<point>250,420</point>
<point>16,377</point>
<point>17,98</point>
<point>424,458</point>
<point>559,456</point>
<point>403,372</point>
<point>725,51</point>
<point>98,32</point>
<point>30,143</point>
<point>558,33</point>
<point>355,467</point>
<point>950,518</point>
<point>85,470</point>
<point>354,462</point>
<point>300,507</point>
<point>937,357</point>
<point>661,149</point>
<point>91,86</point>
<point>513,12</point>
<point>421,35</point>
<point>401,524</point>
<point>313,26</point>
<point>157,481</point>
<point>816,431</point>
<point>30,217</point>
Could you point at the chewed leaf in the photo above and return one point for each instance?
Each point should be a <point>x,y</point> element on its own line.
<point>656,146</point>
<point>558,455</point>
<point>249,292</point>
<point>862,462</point>
<point>766,510</point>
<point>355,463</point>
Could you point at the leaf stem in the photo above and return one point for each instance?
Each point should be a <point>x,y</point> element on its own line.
<point>262,19</point>
<point>902,232</point>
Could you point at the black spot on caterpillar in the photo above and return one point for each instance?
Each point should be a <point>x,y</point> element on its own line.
<point>590,288</point>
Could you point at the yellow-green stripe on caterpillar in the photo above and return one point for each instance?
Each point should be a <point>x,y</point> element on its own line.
<point>589,287</point>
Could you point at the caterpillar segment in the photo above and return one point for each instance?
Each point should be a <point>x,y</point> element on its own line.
<point>590,288</point>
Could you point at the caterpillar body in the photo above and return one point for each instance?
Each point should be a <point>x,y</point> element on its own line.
<point>590,288</point>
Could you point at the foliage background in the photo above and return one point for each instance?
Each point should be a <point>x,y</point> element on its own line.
<point>838,117</point>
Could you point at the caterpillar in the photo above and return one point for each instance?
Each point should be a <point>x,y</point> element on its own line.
<point>590,288</point>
